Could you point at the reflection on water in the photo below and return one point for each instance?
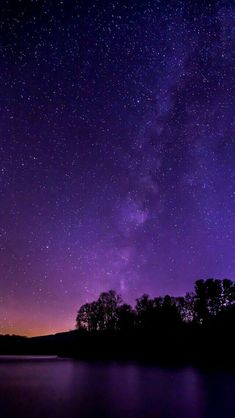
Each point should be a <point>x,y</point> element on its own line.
<point>49,387</point>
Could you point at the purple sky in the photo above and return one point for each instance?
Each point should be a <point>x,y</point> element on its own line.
<point>117,153</point>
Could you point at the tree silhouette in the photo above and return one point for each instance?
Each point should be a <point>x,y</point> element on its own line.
<point>193,329</point>
<point>228,292</point>
<point>198,325</point>
<point>100,315</point>
<point>186,307</point>
<point>108,313</point>
<point>126,318</point>
<point>212,296</point>
<point>88,317</point>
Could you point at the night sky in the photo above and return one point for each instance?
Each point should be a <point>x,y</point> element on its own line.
<point>117,153</point>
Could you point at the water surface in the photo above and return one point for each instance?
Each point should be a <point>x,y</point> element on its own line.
<point>53,388</point>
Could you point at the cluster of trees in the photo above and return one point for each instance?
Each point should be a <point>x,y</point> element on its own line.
<point>195,329</point>
<point>210,299</point>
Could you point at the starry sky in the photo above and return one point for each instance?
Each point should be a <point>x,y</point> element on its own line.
<point>117,153</point>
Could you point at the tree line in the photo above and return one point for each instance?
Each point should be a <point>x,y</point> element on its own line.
<point>211,299</point>
<point>197,329</point>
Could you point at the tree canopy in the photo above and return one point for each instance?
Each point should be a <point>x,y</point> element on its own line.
<point>108,312</point>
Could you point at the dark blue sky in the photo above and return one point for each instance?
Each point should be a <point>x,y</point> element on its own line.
<point>117,153</point>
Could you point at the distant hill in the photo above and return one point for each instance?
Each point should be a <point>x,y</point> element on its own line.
<point>48,344</point>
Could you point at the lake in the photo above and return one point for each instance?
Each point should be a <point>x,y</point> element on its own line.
<point>56,388</point>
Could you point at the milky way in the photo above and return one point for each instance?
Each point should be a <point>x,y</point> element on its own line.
<point>117,153</point>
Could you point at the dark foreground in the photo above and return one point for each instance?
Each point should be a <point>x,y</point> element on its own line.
<point>196,330</point>
<point>205,348</point>
<point>36,388</point>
